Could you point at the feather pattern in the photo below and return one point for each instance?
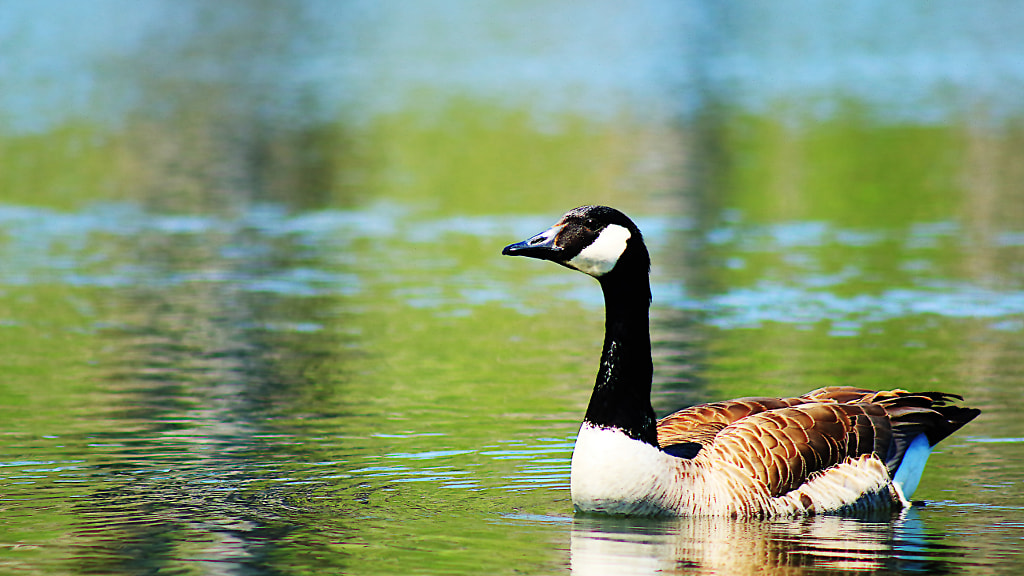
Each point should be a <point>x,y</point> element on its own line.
<point>821,452</point>
<point>834,449</point>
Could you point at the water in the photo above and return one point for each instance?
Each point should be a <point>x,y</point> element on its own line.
<point>253,317</point>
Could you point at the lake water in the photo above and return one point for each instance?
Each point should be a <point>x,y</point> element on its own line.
<point>254,317</point>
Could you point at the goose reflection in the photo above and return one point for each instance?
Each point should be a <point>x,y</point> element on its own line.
<point>715,545</point>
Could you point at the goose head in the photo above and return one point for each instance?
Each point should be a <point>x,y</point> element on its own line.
<point>596,240</point>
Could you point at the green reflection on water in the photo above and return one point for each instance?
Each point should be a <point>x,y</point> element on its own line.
<point>414,411</point>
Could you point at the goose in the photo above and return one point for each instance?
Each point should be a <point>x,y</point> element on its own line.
<point>838,449</point>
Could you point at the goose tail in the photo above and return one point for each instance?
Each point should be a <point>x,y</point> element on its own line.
<point>919,422</point>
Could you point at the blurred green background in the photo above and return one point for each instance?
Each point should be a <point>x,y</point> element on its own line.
<point>253,314</point>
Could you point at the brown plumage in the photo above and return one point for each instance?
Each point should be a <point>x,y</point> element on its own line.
<point>781,442</point>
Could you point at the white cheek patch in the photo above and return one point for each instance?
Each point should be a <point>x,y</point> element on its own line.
<point>603,253</point>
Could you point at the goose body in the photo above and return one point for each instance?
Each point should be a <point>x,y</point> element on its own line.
<point>835,449</point>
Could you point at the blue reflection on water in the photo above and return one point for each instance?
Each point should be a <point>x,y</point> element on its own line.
<point>308,61</point>
<point>82,249</point>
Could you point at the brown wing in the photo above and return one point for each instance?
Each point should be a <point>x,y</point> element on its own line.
<point>910,414</point>
<point>852,395</point>
<point>781,448</point>
<point>782,441</point>
<point>840,394</point>
<point>701,423</point>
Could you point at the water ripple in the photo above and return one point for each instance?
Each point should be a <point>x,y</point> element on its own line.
<point>82,249</point>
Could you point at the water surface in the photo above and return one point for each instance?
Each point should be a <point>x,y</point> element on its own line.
<point>254,320</point>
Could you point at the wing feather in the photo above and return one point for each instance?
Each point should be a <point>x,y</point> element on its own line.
<point>782,448</point>
<point>701,423</point>
<point>781,443</point>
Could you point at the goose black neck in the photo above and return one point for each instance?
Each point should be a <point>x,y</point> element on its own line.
<point>622,393</point>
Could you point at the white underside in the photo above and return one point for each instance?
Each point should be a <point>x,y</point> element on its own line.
<point>615,474</point>
<point>908,475</point>
<point>603,253</point>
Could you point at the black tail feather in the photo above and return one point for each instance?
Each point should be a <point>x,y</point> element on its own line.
<point>928,413</point>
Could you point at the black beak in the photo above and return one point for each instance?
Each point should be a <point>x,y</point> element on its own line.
<point>541,246</point>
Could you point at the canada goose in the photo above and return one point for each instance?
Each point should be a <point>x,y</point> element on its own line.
<point>836,449</point>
